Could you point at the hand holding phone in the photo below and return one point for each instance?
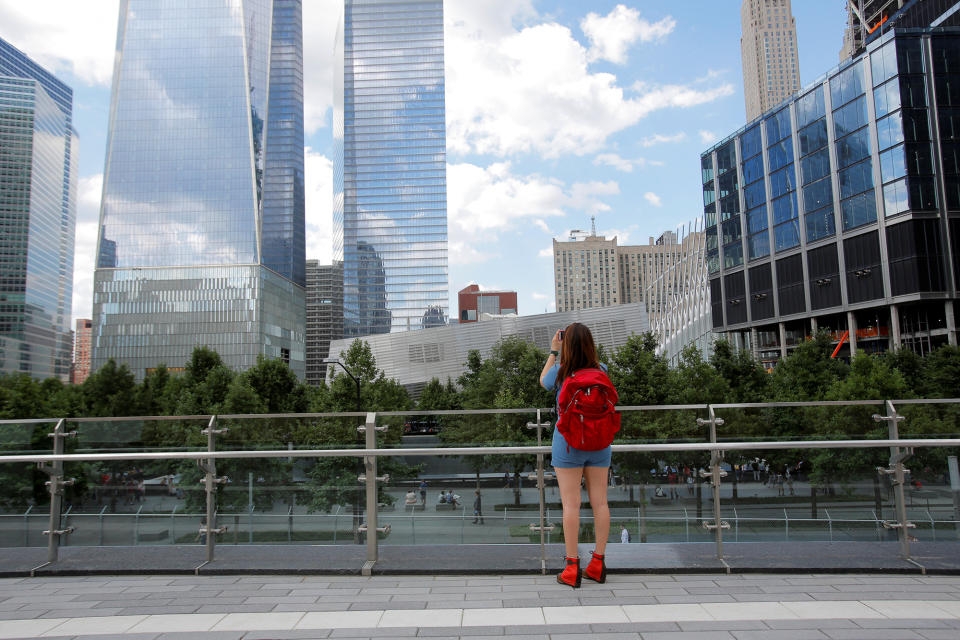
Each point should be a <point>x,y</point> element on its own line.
<point>561,335</point>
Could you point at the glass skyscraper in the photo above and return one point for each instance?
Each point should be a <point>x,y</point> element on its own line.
<point>38,210</point>
<point>202,217</point>
<point>390,189</point>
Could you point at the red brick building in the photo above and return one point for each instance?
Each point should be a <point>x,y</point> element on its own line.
<point>81,351</point>
<point>473,302</point>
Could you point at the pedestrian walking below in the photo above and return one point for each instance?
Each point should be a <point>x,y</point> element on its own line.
<point>477,508</point>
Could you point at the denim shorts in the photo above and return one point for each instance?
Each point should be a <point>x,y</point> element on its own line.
<point>564,456</point>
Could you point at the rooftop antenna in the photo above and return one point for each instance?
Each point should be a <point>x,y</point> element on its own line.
<point>593,226</point>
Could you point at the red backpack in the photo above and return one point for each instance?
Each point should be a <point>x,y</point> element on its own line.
<point>586,410</point>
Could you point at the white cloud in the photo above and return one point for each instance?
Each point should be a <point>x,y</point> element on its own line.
<point>652,198</point>
<point>65,35</point>
<point>615,161</point>
<point>539,296</point>
<point>707,137</point>
<point>318,203</point>
<point>460,252</point>
<point>483,202</point>
<point>611,35</point>
<point>89,190</point>
<point>659,138</point>
<point>546,253</point>
<point>530,91</point>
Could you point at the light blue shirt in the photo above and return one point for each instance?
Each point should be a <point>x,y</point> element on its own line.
<point>550,380</point>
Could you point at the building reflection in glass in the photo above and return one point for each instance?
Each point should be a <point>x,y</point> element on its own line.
<point>390,204</point>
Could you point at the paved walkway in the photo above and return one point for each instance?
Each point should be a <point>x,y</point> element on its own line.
<point>636,606</point>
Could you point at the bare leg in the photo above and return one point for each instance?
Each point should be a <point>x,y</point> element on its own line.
<point>597,487</point>
<point>569,482</point>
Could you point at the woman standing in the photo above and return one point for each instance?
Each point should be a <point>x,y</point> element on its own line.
<point>576,351</point>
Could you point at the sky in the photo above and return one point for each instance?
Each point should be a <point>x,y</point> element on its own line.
<point>557,110</point>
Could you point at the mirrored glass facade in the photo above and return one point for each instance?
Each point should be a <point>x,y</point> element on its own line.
<point>851,204</point>
<point>390,196</point>
<point>202,222</point>
<point>37,218</point>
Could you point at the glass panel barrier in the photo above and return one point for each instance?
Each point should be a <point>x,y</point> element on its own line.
<point>660,497</point>
<point>134,502</point>
<point>291,500</point>
<point>24,499</point>
<point>435,497</point>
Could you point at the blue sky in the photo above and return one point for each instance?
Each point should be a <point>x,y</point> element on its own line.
<point>556,111</point>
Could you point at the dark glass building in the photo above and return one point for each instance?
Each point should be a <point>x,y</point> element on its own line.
<point>390,193</point>
<point>202,218</point>
<point>38,210</point>
<point>324,315</point>
<point>840,208</point>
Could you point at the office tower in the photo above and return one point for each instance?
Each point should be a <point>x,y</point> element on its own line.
<point>390,194</point>
<point>324,315</point>
<point>473,303</point>
<point>869,19</point>
<point>839,211</point>
<point>81,351</point>
<point>768,51</point>
<point>201,223</point>
<point>591,271</point>
<point>38,212</point>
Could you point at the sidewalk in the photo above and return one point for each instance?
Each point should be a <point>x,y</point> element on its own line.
<point>634,606</point>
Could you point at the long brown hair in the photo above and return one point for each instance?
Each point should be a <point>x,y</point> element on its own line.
<point>577,350</point>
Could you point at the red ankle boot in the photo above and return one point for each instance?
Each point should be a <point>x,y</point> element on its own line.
<point>597,569</point>
<point>571,574</point>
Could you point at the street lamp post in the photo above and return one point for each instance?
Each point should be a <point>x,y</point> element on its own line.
<point>356,498</point>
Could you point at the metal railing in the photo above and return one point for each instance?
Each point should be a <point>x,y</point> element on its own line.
<point>52,464</point>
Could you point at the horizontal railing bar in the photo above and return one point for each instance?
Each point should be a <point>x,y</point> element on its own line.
<point>479,451</point>
<point>927,401</point>
<point>822,403</point>
<point>466,412</point>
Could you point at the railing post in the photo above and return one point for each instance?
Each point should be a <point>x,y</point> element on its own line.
<point>209,529</point>
<point>26,526</point>
<point>56,483</point>
<point>369,479</point>
<point>715,474</point>
<point>542,527</point>
<point>897,456</point>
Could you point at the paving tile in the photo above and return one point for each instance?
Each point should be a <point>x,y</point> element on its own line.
<point>234,608</point>
<point>907,609</point>
<point>339,620</point>
<point>832,610</point>
<point>486,632</point>
<point>191,635</point>
<point>395,606</point>
<point>513,616</point>
<point>666,612</point>
<point>694,599</point>
<point>96,625</point>
<point>176,623</point>
<point>280,599</point>
<point>20,615</point>
<point>872,634</point>
<point>21,628</point>
<point>634,627</point>
<point>595,636</point>
<point>305,634</point>
<point>136,611</point>
<point>721,625</point>
<point>472,604</point>
<point>72,613</point>
<point>686,635</point>
<point>780,634</point>
<point>373,633</point>
<point>258,621</point>
<point>316,606</point>
<point>584,615</point>
<point>819,623</point>
<point>938,634</point>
